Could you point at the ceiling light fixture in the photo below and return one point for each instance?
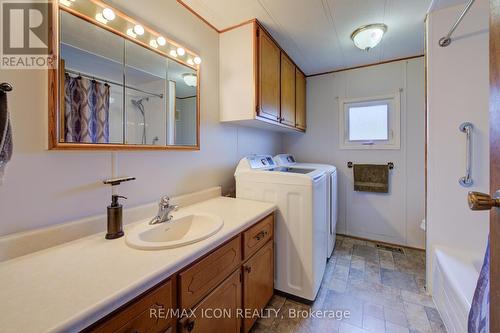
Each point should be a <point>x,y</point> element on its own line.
<point>108,14</point>
<point>139,30</point>
<point>190,79</point>
<point>368,36</point>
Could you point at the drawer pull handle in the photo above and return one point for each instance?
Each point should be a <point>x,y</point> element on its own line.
<point>248,269</point>
<point>190,326</point>
<point>261,235</point>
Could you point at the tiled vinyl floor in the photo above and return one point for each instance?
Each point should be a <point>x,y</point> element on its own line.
<point>383,292</point>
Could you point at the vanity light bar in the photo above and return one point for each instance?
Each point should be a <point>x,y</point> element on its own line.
<point>67,3</point>
<point>119,23</point>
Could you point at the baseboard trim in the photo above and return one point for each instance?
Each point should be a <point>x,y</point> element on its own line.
<point>386,243</point>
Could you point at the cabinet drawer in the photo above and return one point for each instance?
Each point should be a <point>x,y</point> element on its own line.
<point>198,280</point>
<point>258,235</point>
<point>145,323</point>
<point>147,314</point>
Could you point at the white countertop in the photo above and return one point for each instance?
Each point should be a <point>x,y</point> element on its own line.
<point>68,287</point>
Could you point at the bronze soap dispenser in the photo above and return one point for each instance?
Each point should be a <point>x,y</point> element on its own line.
<point>115,218</point>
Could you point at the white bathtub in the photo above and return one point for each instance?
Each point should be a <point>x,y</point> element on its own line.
<point>455,275</point>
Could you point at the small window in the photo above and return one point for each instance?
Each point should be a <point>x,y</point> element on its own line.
<point>371,123</point>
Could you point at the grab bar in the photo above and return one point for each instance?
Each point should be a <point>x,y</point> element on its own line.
<point>466,181</point>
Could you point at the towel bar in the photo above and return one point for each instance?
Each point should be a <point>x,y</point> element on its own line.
<point>5,87</point>
<point>390,164</point>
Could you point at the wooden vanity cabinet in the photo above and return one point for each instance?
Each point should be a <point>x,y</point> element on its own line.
<point>237,275</point>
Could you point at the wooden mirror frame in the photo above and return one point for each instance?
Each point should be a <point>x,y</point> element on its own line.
<point>54,78</point>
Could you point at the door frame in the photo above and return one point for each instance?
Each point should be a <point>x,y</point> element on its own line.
<point>494,163</point>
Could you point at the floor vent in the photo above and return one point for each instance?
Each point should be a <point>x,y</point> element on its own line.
<point>390,248</point>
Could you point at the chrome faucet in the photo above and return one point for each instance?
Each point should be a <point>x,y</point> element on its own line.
<point>164,210</point>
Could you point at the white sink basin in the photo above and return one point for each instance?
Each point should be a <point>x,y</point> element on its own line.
<point>184,229</point>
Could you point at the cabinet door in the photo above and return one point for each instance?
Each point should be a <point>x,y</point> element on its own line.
<point>287,91</point>
<point>258,281</point>
<point>218,311</point>
<point>269,77</point>
<point>300,99</point>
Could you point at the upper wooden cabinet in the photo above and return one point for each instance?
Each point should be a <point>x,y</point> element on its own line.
<point>300,99</point>
<point>287,91</point>
<point>269,78</point>
<point>257,80</point>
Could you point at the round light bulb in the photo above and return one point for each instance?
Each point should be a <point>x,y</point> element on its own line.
<point>139,29</point>
<point>131,33</point>
<point>181,51</point>
<point>197,60</point>
<point>161,40</point>
<point>190,62</point>
<point>108,14</point>
<point>173,53</point>
<point>99,17</point>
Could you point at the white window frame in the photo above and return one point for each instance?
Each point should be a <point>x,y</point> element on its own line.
<point>394,122</point>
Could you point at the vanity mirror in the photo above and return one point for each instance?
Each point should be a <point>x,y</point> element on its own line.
<point>119,84</point>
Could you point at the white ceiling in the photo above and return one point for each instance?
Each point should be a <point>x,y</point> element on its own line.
<point>440,4</point>
<point>316,33</point>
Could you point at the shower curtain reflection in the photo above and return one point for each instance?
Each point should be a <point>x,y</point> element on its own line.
<point>86,110</point>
